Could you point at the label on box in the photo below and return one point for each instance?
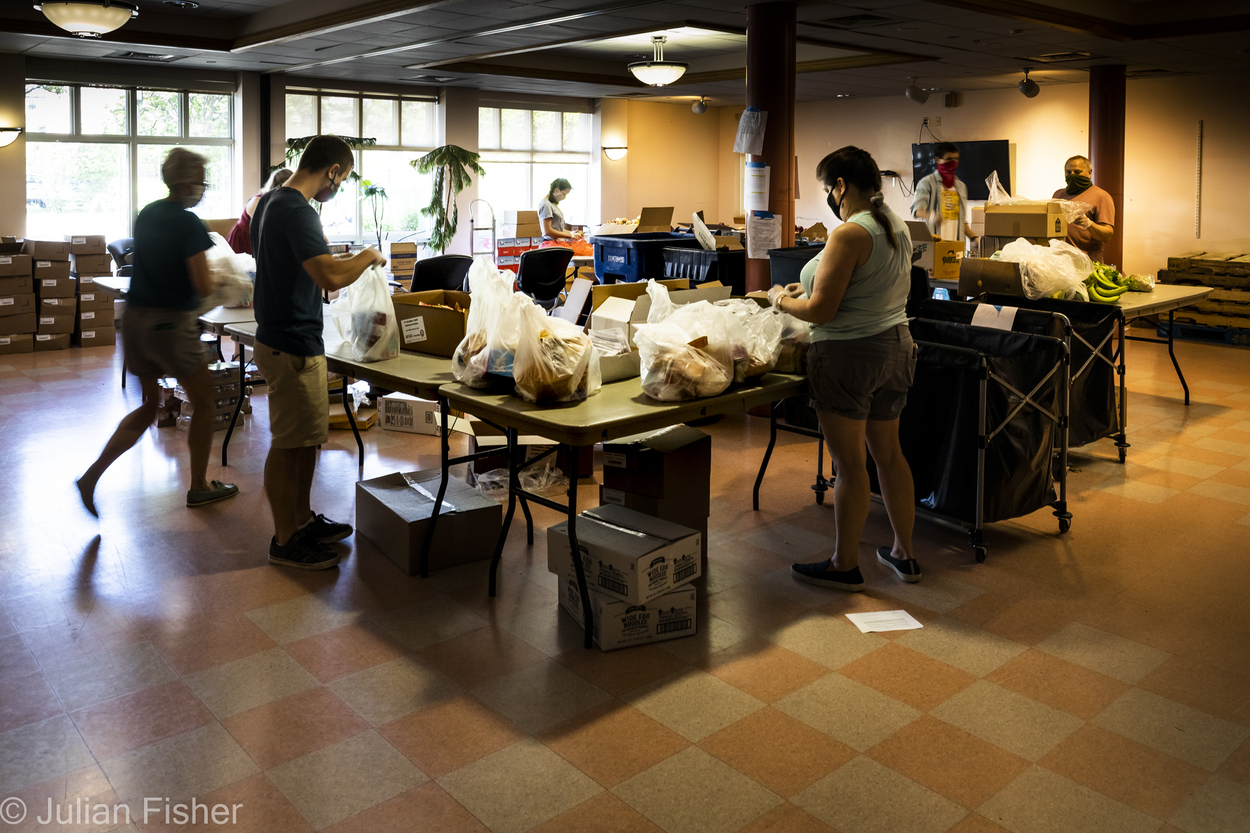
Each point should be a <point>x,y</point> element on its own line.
<point>615,459</point>
<point>88,333</point>
<point>7,302</point>
<point>614,496</point>
<point>43,337</point>
<point>78,241</point>
<point>56,302</point>
<point>89,297</point>
<point>4,341</point>
<point>43,264</point>
<point>85,279</point>
<point>48,282</point>
<point>414,330</point>
<point>6,261</point>
<point>48,320</point>
<point>87,316</point>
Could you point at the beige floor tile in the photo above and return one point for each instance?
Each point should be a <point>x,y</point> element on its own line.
<point>540,696</point>
<point>437,811</point>
<point>1219,806</point>
<point>393,689</point>
<point>713,635</point>
<point>552,633</point>
<point>161,769</point>
<point>339,781</point>
<point>847,711</point>
<point>867,797</point>
<point>1223,446</point>
<point>517,788</point>
<point>1189,467</point>
<point>959,644</point>
<point>1039,801</point>
<point>693,792</point>
<point>429,622</point>
<point>935,591</point>
<point>301,617</point>
<point>791,541</point>
<point>1222,491</point>
<point>1106,653</point>
<point>1012,721</point>
<point>1168,726</point>
<point>41,751</point>
<point>250,682</point>
<point>108,674</point>
<point>692,703</point>
<point>830,640</point>
<point>1142,492</point>
<point>613,742</point>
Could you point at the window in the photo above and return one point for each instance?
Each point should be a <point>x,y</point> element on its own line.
<point>523,151</point>
<point>94,154</point>
<point>405,129</point>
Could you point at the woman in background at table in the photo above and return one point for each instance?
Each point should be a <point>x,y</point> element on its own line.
<point>550,215</point>
<point>860,364</point>
<point>240,237</point>
<point>161,330</point>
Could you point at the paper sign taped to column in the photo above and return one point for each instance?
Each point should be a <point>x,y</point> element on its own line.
<point>763,233</point>
<point>755,187</point>
<point>994,317</point>
<point>751,124</point>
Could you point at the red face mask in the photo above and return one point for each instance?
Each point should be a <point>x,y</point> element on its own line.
<point>947,171</point>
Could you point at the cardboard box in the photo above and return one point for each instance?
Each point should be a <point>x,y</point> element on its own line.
<point>50,269</point>
<point>1039,218</point>
<point>431,329</point>
<point>624,313</point>
<point>946,257</point>
<point>980,275</point>
<point>91,264</point>
<point>14,265</point>
<point>684,513</point>
<point>626,554</point>
<point>619,624</point>
<point>650,220</point>
<point>921,246</point>
<point>616,368</point>
<point>56,324</point>
<point>87,244</point>
<point>46,249</point>
<point>57,306</point>
<point>520,224</point>
<point>365,418</point>
<point>18,305</point>
<point>674,463</point>
<point>14,344</point>
<point>23,324</point>
<point>94,299</point>
<point>94,319</point>
<point>102,337</point>
<point>17,285</point>
<point>50,341</point>
<point>401,412</point>
<point>87,282</point>
<point>56,287</point>
<point>393,515</point>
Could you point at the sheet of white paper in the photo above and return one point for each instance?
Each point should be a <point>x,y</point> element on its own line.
<point>750,137</point>
<point>994,317</point>
<point>575,301</point>
<point>884,620</point>
<point>755,187</point>
<point>763,233</point>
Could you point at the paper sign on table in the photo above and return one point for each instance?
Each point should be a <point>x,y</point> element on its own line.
<point>994,317</point>
<point>884,620</point>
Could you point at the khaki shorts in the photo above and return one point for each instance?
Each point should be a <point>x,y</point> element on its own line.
<point>162,342</point>
<point>863,378</point>
<point>299,402</point>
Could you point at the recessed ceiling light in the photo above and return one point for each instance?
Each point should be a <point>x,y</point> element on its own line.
<point>184,5</point>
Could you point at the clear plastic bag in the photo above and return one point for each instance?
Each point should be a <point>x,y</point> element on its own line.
<point>610,341</point>
<point>555,361</point>
<point>541,479</point>
<point>232,276</point>
<point>998,194</point>
<point>365,317</point>
<point>689,354</point>
<point>492,293</point>
<point>1055,271</point>
<point>758,335</point>
<point>661,305</point>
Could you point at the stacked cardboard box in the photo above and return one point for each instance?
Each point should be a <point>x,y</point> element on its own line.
<point>89,259</point>
<point>18,305</point>
<point>401,259</point>
<point>520,232</point>
<point>638,569</point>
<point>1228,274</point>
<point>54,316</point>
<point>225,392</point>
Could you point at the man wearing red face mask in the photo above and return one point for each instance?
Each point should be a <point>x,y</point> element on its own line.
<point>942,198</point>
<point>293,266</point>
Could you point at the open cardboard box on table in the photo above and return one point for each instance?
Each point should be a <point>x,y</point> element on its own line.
<point>650,220</point>
<point>624,306</point>
<point>939,258</point>
<point>425,326</point>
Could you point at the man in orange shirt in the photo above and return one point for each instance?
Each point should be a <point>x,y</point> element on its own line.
<point>1090,232</point>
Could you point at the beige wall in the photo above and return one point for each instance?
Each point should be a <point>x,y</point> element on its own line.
<point>13,158</point>
<point>674,159</point>
<point>458,126</point>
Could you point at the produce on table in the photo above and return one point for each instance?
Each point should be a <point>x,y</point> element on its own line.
<point>1105,284</point>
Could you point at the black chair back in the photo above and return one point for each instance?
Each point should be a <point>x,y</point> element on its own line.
<point>541,273</point>
<point>123,255</point>
<point>442,272</point>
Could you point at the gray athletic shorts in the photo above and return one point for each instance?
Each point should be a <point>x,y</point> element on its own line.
<point>162,342</point>
<point>863,378</point>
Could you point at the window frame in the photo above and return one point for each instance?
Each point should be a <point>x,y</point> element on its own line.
<point>528,156</point>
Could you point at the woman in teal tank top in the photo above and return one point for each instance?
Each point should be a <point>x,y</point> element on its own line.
<point>860,365</point>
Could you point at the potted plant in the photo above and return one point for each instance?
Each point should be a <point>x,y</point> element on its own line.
<point>295,147</point>
<point>376,195</point>
<point>451,166</point>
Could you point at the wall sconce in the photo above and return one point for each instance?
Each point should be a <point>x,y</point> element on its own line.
<point>616,154</point>
<point>8,135</point>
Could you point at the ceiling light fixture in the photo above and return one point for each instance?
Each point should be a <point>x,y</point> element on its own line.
<point>8,135</point>
<point>89,18</point>
<point>658,72</point>
<point>916,94</point>
<point>699,107</point>
<point>1028,87</point>
<point>616,154</point>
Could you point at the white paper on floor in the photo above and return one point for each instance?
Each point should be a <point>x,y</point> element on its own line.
<point>884,620</point>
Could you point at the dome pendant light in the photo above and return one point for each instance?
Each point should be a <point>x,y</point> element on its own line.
<point>88,18</point>
<point>1028,87</point>
<point>916,94</point>
<point>658,72</point>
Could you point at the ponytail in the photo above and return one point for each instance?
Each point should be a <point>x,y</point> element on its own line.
<point>857,167</point>
<point>878,199</point>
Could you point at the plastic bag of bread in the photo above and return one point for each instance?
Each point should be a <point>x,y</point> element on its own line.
<point>676,367</point>
<point>491,289</point>
<point>795,335</point>
<point>757,338</point>
<point>661,305</point>
<point>555,361</point>
<point>365,317</point>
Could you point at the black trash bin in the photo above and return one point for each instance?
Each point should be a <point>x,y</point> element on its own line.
<point>786,264</point>
<point>700,266</point>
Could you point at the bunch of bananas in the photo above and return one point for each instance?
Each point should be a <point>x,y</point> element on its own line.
<point>1103,286</point>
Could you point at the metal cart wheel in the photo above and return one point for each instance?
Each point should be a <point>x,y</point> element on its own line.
<point>979,553</point>
<point>1064,525</point>
<point>820,497</point>
<point>1123,453</point>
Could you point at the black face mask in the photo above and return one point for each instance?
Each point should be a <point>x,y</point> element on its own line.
<point>836,206</point>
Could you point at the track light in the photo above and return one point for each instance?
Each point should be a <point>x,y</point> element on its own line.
<point>699,107</point>
<point>916,94</point>
<point>1028,87</point>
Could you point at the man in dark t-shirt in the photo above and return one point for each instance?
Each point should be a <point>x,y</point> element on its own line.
<point>1091,231</point>
<point>293,266</point>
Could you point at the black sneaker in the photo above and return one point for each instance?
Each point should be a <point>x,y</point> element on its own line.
<point>303,552</point>
<point>820,575</point>
<point>322,529</point>
<point>906,569</point>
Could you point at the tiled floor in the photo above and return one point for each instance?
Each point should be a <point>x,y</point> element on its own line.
<point>1096,681</point>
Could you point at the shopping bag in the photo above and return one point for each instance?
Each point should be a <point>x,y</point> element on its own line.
<point>491,290</point>
<point>555,360</point>
<point>365,318</point>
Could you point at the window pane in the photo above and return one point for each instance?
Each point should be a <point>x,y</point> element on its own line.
<point>487,128</point>
<point>103,111</point>
<point>546,130</point>
<point>506,187</point>
<point>160,113</point>
<point>48,109</point>
<point>574,205</point>
<point>210,115</point>
<point>381,117</point>
<point>577,132</point>
<point>72,187</point>
<point>419,119</point>
<point>515,132</point>
<point>301,116</point>
<point>338,115</point>
<point>218,201</point>
<point>338,216</point>
<point>407,193</point>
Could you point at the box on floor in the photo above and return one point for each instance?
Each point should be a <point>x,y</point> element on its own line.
<point>620,624</point>
<point>23,304</point>
<point>87,244</point>
<point>14,344</point>
<point>95,337</point>
<point>51,341</point>
<point>673,463</point>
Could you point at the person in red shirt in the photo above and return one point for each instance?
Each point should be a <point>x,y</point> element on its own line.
<point>1090,232</point>
<point>240,237</point>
